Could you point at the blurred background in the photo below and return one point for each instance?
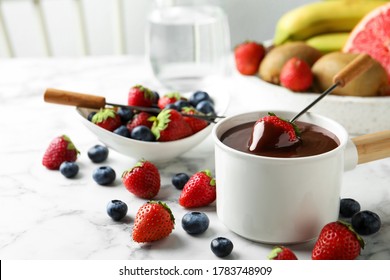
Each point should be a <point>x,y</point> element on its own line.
<point>33,28</point>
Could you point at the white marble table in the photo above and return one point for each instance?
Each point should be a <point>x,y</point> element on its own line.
<point>43,215</point>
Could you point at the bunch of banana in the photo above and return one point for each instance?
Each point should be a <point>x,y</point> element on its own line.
<point>324,25</point>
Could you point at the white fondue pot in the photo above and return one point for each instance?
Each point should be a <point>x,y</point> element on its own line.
<point>286,200</point>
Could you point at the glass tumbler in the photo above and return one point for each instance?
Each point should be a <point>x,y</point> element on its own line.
<point>187,41</point>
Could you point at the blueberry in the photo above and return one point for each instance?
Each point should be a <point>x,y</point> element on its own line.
<point>206,107</point>
<point>221,246</point>
<point>126,114</point>
<point>69,169</point>
<point>199,96</point>
<point>104,175</point>
<point>90,116</point>
<point>142,133</point>
<point>156,97</point>
<point>116,209</point>
<point>348,207</point>
<point>180,104</point>
<point>122,131</point>
<point>195,222</point>
<point>366,222</point>
<point>98,153</point>
<point>179,180</point>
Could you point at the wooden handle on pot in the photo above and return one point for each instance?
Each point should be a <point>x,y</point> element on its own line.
<point>356,67</point>
<point>373,146</point>
<point>64,97</point>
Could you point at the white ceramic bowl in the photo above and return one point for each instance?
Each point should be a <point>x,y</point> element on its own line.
<point>157,151</point>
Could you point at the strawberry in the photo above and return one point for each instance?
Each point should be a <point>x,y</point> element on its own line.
<point>142,118</point>
<point>272,132</point>
<point>296,75</point>
<point>248,56</point>
<point>107,118</point>
<point>195,124</point>
<point>142,180</point>
<point>168,98</point>
<point>153,221</point>
<point>60,149</point>
<point>282,253</point>
<point>169,125</point>
<point>140,96</point>
<point>337,241</point>
<point>200,190</point>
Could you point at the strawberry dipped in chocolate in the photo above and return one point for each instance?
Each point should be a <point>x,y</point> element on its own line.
<point>271,132</point>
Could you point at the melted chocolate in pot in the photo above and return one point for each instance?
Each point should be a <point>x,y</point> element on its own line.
<point>314,140</point>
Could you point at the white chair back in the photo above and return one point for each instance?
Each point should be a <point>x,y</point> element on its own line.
<point>69,27</point>
<point>106,27</point>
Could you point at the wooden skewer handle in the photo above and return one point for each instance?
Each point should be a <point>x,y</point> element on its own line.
<point>356,67</point>
<point>64,97</point>
<point>373,146</point>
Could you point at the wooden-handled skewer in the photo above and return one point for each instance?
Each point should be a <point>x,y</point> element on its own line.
<point>58,96</point>
<point>357,66</point>
<point>63,97</point>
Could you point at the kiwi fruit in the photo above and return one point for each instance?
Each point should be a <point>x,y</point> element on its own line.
<point>275,59</point>
<point>370,83</point>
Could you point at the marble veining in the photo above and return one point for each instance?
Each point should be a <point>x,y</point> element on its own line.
<point>43,215</point>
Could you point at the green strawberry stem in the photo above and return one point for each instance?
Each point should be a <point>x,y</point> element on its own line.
<point>175,95</point>
<point>70,145</point>
<point>296,129</point>
<point>161,122</point>
<point>138,164</point>
<point>148,94</point>
<point>274,252</point>
<point>166,207</point>
<point>103,115</point>
<point>208,173</point>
